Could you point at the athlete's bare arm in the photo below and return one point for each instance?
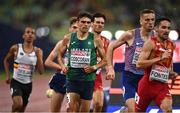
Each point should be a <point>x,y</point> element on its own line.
<point>101,51</point>
<point>40,65</point>
<point>172,72</point>
<point>62,49</point>
<point>50,60</point>
<point>99,46</point>
<point>124,39</point>
<point>10,55</point>
<point>144,60</point>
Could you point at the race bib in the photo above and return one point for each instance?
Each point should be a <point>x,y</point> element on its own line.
<point>24,70</point>
<point>80,58</point>
<point>159,73</point>
<point>136,55</point>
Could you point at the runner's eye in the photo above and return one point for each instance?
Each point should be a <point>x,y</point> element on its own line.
<point>88,22</point>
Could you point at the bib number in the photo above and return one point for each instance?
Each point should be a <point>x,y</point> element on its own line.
<point>25,70</point>
<point>80,58</point>
<point>159,73</point>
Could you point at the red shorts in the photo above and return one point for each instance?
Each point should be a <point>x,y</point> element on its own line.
<point>98,82</point>
<point>151,90</point>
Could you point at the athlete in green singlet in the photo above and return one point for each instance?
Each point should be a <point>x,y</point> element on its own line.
<point>82,64</point>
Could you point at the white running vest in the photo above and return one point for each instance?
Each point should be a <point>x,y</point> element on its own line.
<point>24,65</point>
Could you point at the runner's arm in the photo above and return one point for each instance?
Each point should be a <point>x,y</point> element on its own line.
<point>61,51</point>
<point>50,60</point>
<point>10,55</point>
<point>144,60</point>
<point>40,65</point>
<point>124,39</point>
<point>101,52</point>
<point>113,45</point>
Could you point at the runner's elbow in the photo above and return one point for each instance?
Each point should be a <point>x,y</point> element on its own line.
<point>47,63</point>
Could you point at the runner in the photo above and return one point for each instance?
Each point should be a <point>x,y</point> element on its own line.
<point>156,59</point>
<point>82,64</point>
<point>134,40</point>
<point>98,94</point>
<point>58,80</point>
<point>26,57</point>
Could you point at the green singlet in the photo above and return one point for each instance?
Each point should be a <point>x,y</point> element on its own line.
<point>80,54</point>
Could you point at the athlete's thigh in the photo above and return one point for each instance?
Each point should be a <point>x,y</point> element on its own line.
<point>98,96</point>
<point>164,98</point>
<point>85,105</point>
<point>73,97</point>
<point>57,98</point>
<point>56,101</point>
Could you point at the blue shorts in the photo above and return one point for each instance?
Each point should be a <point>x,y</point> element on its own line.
<point>83,88</point>
<point>58,83</point>
<point>130,84</point>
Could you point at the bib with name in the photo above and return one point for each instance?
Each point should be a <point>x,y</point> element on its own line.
<point>159,73</point>
<point>80,58</point>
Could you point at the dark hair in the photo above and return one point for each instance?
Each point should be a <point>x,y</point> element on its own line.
<point>96,15</point>
<point>158,21</point>
<point>73,20</point>
<point>146,11</point>
<point>84,14</point>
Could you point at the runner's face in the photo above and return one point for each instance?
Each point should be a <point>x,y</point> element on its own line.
<point>84,24</point>
<point>73,27</point>
<point>29,35</point>
<point>163,29</point>
<point>147,21</point>
<point>98,24</point>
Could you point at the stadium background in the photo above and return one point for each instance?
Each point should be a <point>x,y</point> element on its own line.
<point>52,20</point>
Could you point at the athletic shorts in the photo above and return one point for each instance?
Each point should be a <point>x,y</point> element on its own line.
<point>58,83</point>
<point>20,89</point>
<point>130,84</point>
<point>83,88</point>
<point>148,91</point>
<point>98,82</point>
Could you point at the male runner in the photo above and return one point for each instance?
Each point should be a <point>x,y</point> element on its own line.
<point>98,94</point>
<point>26,57</point>
<point>82,64</point>
<point>134,40</point>
<point>58,80</point>
<point>156,59</point>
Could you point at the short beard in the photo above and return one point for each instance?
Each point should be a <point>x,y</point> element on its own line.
<point>98,32</point>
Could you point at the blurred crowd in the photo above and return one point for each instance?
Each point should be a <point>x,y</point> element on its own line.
<point>55,14</point>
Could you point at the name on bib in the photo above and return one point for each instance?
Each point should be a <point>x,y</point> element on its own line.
<point>159,73</point>
<point>80,58</point>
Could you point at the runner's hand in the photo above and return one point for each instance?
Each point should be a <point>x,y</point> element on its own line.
<point>166,54</point>
<point>110,74</point>
<point>64,69</point>
<point>39,52</point>
<point>8,79</point>
<point>89,69</point>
